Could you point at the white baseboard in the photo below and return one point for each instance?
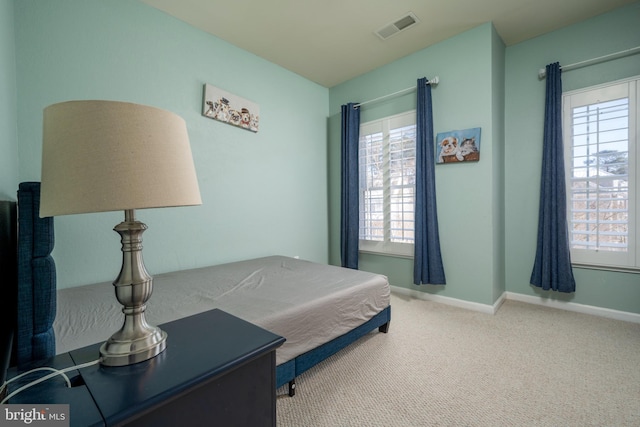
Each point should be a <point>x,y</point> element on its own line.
<point>469,305</point>
<point>579,308</point>
<point>492,309</point>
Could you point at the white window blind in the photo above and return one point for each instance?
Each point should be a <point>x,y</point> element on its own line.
<point>387,184</point>
<point>600,126</point>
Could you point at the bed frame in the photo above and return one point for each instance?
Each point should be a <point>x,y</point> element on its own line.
<point>288,371</point>
<point>34,338</point>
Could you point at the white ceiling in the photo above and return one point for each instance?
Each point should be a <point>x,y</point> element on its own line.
<point>331,41</point>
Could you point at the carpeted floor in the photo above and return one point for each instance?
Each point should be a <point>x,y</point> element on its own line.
<point>445,366</point>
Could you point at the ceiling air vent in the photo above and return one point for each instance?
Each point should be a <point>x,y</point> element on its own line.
<point>400,24</point>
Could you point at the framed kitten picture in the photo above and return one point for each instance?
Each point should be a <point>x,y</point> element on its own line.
<point>457,146</point>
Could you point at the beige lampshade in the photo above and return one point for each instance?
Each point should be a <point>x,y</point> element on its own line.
<point>102,156</point>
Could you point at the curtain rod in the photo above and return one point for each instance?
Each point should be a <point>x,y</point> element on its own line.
<point>542,73</point>
<point>434,81</point>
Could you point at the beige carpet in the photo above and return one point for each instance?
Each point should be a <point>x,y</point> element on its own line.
<point>445,366</point>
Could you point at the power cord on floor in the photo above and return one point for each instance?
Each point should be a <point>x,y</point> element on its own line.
<point>55,373</point>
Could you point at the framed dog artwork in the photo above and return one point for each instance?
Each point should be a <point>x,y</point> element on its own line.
<point>229,108</point>
<point>458,146</point>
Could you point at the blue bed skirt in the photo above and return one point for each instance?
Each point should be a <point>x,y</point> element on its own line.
<point>288,371</point>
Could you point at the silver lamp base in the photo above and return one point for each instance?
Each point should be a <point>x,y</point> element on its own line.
<point>130,351</point>
<point>136,341</point>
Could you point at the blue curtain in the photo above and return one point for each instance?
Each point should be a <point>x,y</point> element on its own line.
<point>552,267</point>
<point>427,267</point>
<point>349,214</point>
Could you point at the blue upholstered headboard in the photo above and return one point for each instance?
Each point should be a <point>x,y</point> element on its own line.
<point>34,337</point>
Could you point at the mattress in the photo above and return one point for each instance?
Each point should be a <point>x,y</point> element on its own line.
<point>307,303</point>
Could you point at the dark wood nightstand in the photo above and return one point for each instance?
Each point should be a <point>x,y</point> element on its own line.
<point>217,370</point>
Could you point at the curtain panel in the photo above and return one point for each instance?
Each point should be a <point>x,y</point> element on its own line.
<point>350,186</point>
<point>552,266</point>
<point>427,267</point>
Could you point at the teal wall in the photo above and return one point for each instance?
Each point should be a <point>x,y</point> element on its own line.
<point>488,211</point>
<point>524,120</point>
<point>277,191</point>
<point>263,193</point>
<point>8,117</point>
<point>469,196</point>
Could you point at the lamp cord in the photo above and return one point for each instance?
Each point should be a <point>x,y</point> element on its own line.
<point>55,373</point>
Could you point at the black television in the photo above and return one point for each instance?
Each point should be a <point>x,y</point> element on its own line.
<point>6,339</point>
<point>8,269</point>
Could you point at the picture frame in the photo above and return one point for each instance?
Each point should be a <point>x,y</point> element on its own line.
<point>226,107</point>
<point>458,146</point>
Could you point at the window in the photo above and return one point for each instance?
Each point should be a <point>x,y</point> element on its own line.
<point>601,155</point>
<point>387,184</point>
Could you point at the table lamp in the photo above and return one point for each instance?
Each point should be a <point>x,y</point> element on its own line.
<point>100,156</point>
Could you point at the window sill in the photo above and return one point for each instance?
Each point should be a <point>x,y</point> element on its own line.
<point>389,254</point>
<point>631,270</point>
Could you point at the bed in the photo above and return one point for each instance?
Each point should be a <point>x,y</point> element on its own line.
<point>319,309</point>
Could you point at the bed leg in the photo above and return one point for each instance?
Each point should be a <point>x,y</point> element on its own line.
<point>292,387</point>
<point>384,328</point>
